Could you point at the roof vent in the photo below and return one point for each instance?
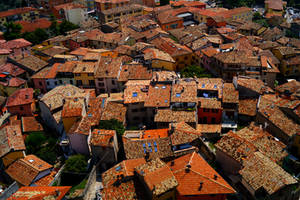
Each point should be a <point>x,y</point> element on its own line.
<point>31,160</point>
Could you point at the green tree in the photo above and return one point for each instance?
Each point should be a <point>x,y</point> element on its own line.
<point>41,35</point>
<point>76,164</point>
<point>194,70</point>
<point>66,26</point>
<point>113,124</point>
<point>257,16</point>
<point>13,31</point>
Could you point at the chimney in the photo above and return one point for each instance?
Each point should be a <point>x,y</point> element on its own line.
<point>187,168</point>
<point>172,163</point>
<point>200,186</point>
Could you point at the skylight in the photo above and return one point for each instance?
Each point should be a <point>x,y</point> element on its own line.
<point>178,94</point>
<point>134,94</point>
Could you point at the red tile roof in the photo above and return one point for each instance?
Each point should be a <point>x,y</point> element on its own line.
<point>30,124</point>
<point>157,176</point>
<point>169,46</point>
<point>102,137</point>
<point>15,44</point>
<point>16,11</point>
<point>12,69</point>
<point>158,96</point>
<point>20,97</point>
<point>68,6</point>
<point>40,193</point>
<point>11,139</point>
<point>26,170</point>
<point>30,26</point>
<point>230,94</point>
<point>14,82</point>
<point>200,179</point>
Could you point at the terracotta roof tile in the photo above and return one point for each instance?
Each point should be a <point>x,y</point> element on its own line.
<point>114,110</point>
<point>260,172</point>
<point>11,139</point>
<point>16,11</point>
<point>247,107</point>
<point>14,82</point>
<point>155,54</point>
<point>184,91</point>
<point>255,85</point>
<point>184,133</point>
<point>168,115</point>
<point>38,192</point>
<point>136,91</point>
<point>30,124</point>
<point>145,134</point>
<point>26,170</point>
<point>164,76</point>
<point>134,72</point>
<point>290,87</point>
<point>85,67</point>
<point>157,148</point>
<point>279,119</point>
<point>230,94</point>
<point>169,46</point>
<point>31,62</point>
<point>157,176</point>
<point>235,146</point>
<point>158,96</point>
<point>102,137</point>
<point>209,51</point>
<point>20,97</point>
<point>200,173</point>
<point>11,69</point>
<point>209,128</point>
<point>209,103</point>
<point>46,180</point>
<point>30,26</point>
<point>264,142</point>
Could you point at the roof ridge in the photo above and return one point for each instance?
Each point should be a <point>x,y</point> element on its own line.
<point>211,179</point>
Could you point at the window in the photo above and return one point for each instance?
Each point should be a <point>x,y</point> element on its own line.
<point>79,82</point>
<point>48,83</point>
<point>60,82</point>
<point>71,81</point>
<point>55,82</point>
<point>135,110</point>
<point>40,83</point>
<point>143,109</point>
<point>213,120</point>
<point>265,73</point>
<point>205,109</point>
<point>174,26</point>
<point>90,74</point>
<point>113,82</point>
<point>101,84</point>
<point>77,74</point>
<point>100,79</point>
<point>91,82</point>
<point>21,108</point>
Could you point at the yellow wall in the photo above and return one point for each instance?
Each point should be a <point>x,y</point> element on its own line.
<point>68,122</point>
<point>111,54</point>
<point>85,78</point>
<point>11,157</point>
<point>200,18</point>
<point>163,64</point>
<point>183,61</point>
<point>113,18</point>
<point>25,17</point>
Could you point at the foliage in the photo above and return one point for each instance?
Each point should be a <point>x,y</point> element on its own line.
<point>66,26</point>
<point>13,31</point>
<point>292,34</point>
<point>36,37</point>
<point>11,4</point>
<point>42,146</point>
<point>76,164</point>
<point>194,70</point>
<point>80,186</point>
<point>262,22</point>
<point>112,124</point>
<point>257,16</point>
